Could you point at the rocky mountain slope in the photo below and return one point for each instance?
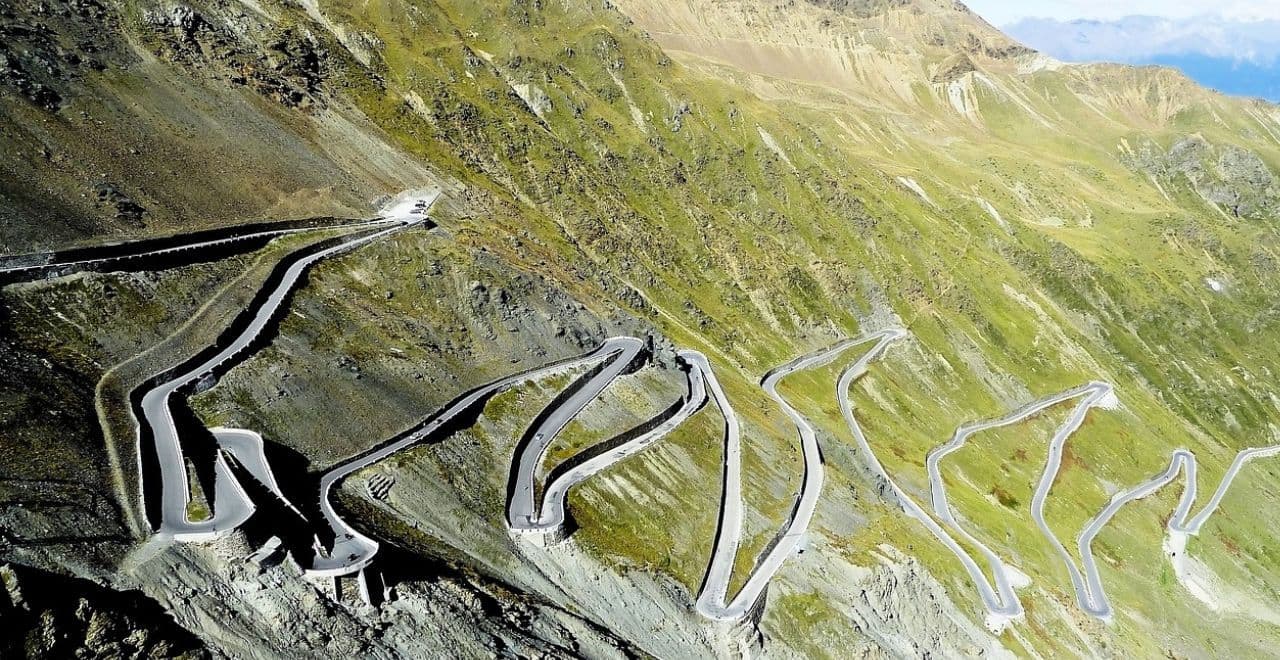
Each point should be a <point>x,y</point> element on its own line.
<point>751,179</point>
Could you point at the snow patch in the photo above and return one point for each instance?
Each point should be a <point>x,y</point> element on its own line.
<point>1215,285</point>
<point>774,146</point>
<point>991,211</point>
<point>1017,579</point>
<point>915,188</point>
<point>1039,62</point>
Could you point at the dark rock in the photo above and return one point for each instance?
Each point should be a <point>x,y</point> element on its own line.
<point>48,615</point>
<point>125,208</point>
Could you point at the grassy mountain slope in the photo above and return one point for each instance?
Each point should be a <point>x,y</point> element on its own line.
<point>756,181</point>
<point>128,120</point>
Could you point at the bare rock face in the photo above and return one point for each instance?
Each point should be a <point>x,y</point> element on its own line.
<point>896,606</point>
<point>1231,178</point>
<point>288,65</point>
<point>123,207</point>
<point>379,485</point>
<point>534,97</point>
<point>250,608</point>
<point>860,8</point>
<point>47,615</point>
<point>918,625</point>
<point>38,65</point>
<point>953,68</point>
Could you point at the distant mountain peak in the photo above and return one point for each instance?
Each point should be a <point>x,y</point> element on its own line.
<point>1138,38</point>
<point>1233,56</point>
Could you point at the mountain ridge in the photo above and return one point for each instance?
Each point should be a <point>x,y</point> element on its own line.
<point>1233,57</point>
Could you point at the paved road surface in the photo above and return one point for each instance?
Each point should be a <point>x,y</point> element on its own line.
<point>551,514</point>
<point>231,506</point>
<point>353,550</point>
<point>713,600</point>
<point>1092,597</point>
<point>248,449</point>
<point>521,512</point>
<point>1005,601</point>
<point>1002,608</point>
<point>79,264</point>
<point>1096,395</point>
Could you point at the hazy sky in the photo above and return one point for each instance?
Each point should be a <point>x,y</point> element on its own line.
<point>1003,12</point>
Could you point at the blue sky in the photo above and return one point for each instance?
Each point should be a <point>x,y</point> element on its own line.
<point>1003,12</point>
<point>1230,45</point>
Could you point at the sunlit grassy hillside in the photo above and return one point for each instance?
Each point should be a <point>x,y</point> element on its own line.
<point>758,180</point>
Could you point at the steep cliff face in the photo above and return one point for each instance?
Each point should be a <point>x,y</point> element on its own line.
<point>1230,179</point>
<point>48,615</point>
<point>135,119</point>
<point>755,180</point>
<point>874,52</point>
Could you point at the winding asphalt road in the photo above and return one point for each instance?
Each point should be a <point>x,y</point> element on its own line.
<point>231,505</point>
<point>712,597</point>
<point>1092,597</point>
<point>712,601</point>
<point>1002,608</point>
<point>1094,394</point>
<point>551,515</point>
<point>1087,583</point>
<point>76,264</point>
<point>247,448</point>
<point>522,515</point>
<point>352,550</point>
